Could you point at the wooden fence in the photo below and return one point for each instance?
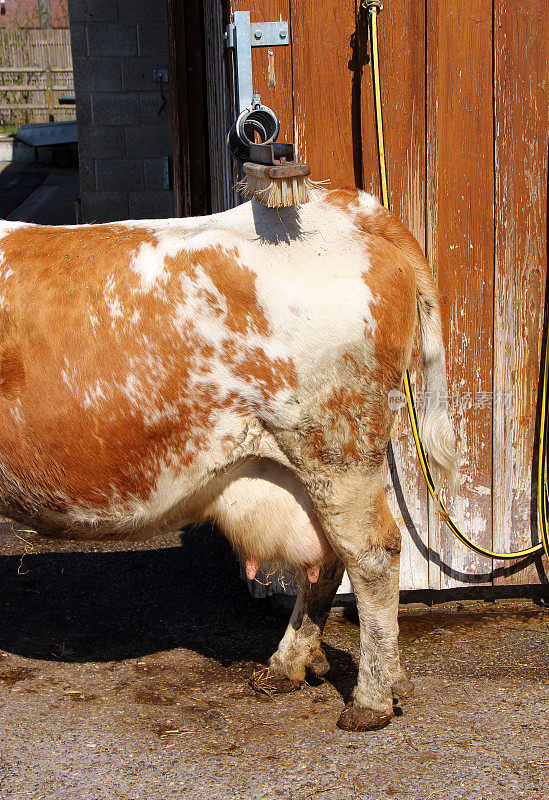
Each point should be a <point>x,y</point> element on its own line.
<point>35,73</point>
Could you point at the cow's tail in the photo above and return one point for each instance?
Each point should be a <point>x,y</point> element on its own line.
<point>436,429</point>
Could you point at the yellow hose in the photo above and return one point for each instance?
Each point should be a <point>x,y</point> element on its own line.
<point>373,7</point>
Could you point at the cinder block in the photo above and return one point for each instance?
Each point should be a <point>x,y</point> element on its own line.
<point>155,107</point>
<point>105,141</point>
<point>104,206</point>
<point>86,170</point>
<point>152,39</point>
<point>83,110</point>
<point>112,108</point>
<point>151,205</point>
<point>141,10</point>
<point>111,39</point>
<point>137,73</point>
<point>98,10</point>
<point>97,74</point>
<point>149,141</point>
<point>79,39</point>
<point>118,174</point>
<point>154,174</point>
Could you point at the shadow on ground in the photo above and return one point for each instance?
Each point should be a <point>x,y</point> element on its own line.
<point>117,605</point>
<point>112,606</point>
<point>17,182</point>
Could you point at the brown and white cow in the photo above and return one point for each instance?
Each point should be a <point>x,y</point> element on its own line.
<point>235,367</point>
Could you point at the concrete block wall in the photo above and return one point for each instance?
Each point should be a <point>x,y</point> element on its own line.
<point>123,116</point>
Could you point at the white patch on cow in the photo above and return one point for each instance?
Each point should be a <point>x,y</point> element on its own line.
<point>66,378</point>
<point>132,389</point>
<point>111,299</point>
<point>94,320</point>
<point>149,261</point>
<point>319,271</point>
<point>161,413</point>
<point>193,310</point>
<point>15,412</point>
<point>204,239</point>
<point>72,379</point>
<point>93,395</point>
<point>9,272</point>
<point>310,261</point>
<point>6,227</point>
<point>369,204</point>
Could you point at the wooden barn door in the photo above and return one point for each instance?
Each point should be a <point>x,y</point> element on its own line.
<point>465,94</point>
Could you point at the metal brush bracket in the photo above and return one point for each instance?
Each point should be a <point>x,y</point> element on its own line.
<point>253,117</point>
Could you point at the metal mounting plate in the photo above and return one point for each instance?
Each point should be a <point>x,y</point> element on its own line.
<point>262,34</point>
<point>242,35</point>
<point>269,34</point>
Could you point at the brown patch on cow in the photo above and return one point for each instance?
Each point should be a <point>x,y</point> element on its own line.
<point>354,424</point>
<point>384,224</point>
<point>83,253</point>
<point>341,417</point>
<point>5,323</point>
<point>344,199</point>
<point>392,280</point>
<point>236,283</point>
<point>397,269</point>
<point>12,371</point>
<point>268,375</point>
<point>317,447</point>
<point>386,531</point>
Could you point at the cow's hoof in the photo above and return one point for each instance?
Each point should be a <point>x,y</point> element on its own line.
<point>357,718</point>
<point>403,687</point>
<point>318,663</point>
<point>268,682</point>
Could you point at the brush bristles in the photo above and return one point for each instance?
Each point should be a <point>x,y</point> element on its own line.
<point>277,192</point>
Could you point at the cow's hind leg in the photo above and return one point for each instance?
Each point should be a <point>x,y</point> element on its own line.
<point>361,529</point>
<point>300,648</point>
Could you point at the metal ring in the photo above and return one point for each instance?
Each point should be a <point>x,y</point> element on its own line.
<point>260,120</point>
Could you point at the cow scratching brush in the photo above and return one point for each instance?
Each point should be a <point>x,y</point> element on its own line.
<point>274,178</point>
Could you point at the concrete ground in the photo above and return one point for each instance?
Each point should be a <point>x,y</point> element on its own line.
<point>124,674</point>
<point>35,193</point>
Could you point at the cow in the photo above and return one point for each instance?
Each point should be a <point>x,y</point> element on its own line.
<point>236,367</point>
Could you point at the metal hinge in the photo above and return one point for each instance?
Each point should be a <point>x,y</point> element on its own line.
<point>242,35</point>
